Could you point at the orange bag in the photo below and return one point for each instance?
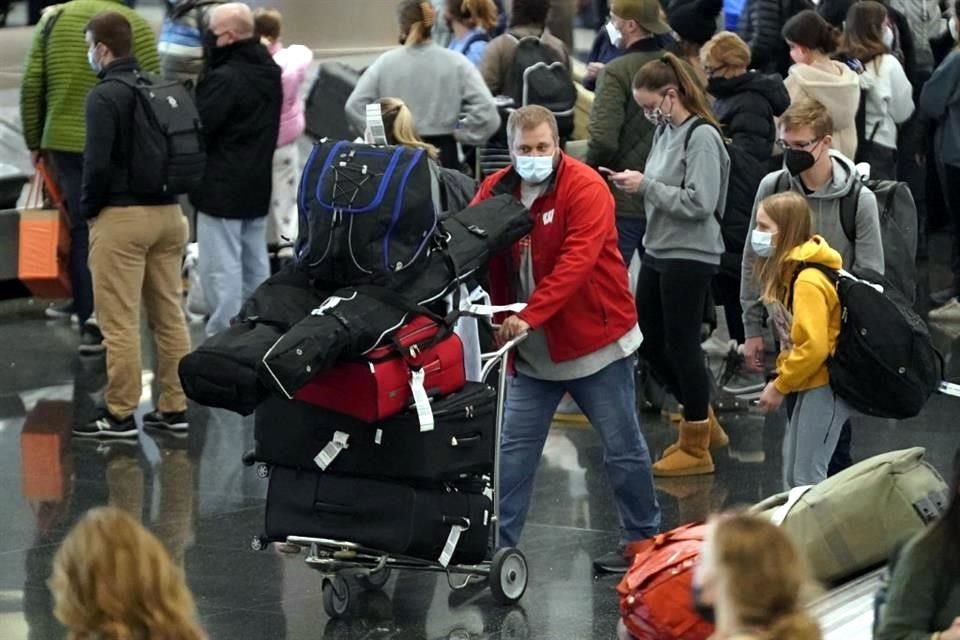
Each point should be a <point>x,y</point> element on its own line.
<point>655,598</point>
<point>44,240</point>
<point>45,465</point>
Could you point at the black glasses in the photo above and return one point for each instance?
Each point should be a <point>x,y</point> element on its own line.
<point>796,146</point>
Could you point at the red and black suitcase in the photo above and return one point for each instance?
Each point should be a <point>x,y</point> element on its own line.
<point>293,434</point>
<point>420,360</point>
<point>386,516</point>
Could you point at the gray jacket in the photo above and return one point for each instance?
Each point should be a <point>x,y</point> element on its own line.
<point>825,205</point>
<point>940,101</point>
<point>926,24</point>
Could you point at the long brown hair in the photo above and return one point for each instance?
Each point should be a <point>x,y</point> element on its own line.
<point>398,122</point>
<point>761,579</point>
<point>113,580</point>
<point>416,21</point>
<point>670,70</point>
<point>863,31</point>
<point>791,213</point>
<point>474,13</point>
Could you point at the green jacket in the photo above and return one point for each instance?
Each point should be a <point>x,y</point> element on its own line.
<point>620,137</point>
<point>61,126</point>
<point>924,593</point>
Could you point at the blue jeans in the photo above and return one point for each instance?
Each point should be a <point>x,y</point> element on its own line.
<point>233,262</point>
<point>630,236</point>
<point>608,400</point>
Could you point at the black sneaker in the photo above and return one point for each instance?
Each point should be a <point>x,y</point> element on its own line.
<point>175,422</point>
<point>108,426</point>
<point>613,562</point>
<point>91,339</point>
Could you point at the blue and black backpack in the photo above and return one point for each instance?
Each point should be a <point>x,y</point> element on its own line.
<point>367,212</point>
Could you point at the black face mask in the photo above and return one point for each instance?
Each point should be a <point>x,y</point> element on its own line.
<point>705,611</point>
<point>797,161</point>
<point>209,40</point>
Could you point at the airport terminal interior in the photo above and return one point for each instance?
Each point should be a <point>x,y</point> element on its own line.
<point>195,493</point>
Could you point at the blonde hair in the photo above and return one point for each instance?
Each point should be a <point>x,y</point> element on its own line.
<point>113,580</point>
<point>807,112</point>
<point>531,117</point>
<point>761,579</point>
<point>416,21</point>
<point>670,70</point>
<point>267,23</point>
<point>725,50</point>
<point>791,213</point>
<point>398,122</point>
<point>474,13</point>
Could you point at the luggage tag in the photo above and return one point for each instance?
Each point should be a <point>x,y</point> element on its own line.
<point>376,133</point>
<point>332,450</point>
<point>421,400</point>
<point>491,309</point>
<point>451,545</point>
<point>949,388</point>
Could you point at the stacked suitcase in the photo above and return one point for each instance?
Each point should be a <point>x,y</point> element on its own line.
<point>393,452</point>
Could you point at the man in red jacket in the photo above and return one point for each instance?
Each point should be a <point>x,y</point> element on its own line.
<point>581,327</point>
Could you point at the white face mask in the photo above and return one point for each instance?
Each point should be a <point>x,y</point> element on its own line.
<point>888,37</point>
<point>534,169</point>
<point>954,29</point>
<point>614,34</point>
<point>762,243</point>
<point>92,61</point>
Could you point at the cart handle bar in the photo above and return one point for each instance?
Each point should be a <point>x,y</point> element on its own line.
<point>491,359</point>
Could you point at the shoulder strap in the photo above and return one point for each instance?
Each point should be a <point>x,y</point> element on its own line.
<point>849,204</point>
<point>472,40</point>
<point>783,182</point>
<point>832,274</point>
<point>699,122</point>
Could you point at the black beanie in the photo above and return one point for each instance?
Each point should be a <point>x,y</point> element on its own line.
<point>695,20</point>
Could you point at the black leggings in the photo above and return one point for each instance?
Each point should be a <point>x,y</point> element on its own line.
<point>670,301</point>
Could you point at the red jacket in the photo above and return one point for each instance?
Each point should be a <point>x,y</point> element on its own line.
<point>582,298</point>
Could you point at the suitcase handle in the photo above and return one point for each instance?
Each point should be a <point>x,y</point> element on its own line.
<point>457,521</point>
<point>470,440</point>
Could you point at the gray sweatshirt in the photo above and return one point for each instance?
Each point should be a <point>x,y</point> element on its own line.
<point>825,205</point>
<point>683,192</point>
<point>443,89</point>
<point>940,101</point>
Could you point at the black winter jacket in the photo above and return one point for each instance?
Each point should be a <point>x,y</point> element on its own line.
<point>239,101</point>
<point>760,25</point>
<point>107,156</point>
<point>746,106</point>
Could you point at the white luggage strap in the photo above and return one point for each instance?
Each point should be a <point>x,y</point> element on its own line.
<point>332,450</point>
<point>949,388</point>
<point>421,400</point>
<point>450,547</point>
<point>491,309</point>
<point>780,513</point>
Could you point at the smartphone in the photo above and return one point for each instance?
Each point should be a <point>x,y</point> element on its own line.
<point>605,171</point>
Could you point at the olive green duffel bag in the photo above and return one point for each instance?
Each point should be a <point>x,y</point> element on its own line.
<point>854,520</point>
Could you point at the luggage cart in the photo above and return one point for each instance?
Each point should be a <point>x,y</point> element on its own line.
<point>342,562</point>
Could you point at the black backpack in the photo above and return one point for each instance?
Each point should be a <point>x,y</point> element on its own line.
<point>745,176</point>
<point>885,364</point>
<point>366,212</point>
<point>166,149</point>
<point>898,229</point>
<point>538,75</point>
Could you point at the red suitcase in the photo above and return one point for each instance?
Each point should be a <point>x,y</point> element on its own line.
<point>416,364</point>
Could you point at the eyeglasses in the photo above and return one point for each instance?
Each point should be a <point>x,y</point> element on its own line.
<point>796,146</point>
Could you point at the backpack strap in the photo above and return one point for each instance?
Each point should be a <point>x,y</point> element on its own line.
<point>783,182</point>
<point>849,205</point>
<point>472,40</point>
<point>832,274</point>
<point>697,123</point>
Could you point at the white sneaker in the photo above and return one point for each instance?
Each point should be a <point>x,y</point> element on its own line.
<point>717,346</point>
<point>949,312</point>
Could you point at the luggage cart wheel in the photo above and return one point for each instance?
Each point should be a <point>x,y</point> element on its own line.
<point>263,471</point>
<point>258,543</point>
<point>336,597</point>
<point>374,580</point>
<point>508,575</point>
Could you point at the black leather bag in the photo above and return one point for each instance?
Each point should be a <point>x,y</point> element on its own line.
<point>391,517</point>
<point>293,434</point>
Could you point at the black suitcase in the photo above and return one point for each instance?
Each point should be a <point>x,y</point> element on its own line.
<point>291,434</point>
<point>325,104</point>
<point>386,516</point>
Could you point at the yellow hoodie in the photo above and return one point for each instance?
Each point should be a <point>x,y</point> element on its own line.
<point>816,321</point>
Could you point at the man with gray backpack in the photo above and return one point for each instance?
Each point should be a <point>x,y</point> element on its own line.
<point>143,148</point>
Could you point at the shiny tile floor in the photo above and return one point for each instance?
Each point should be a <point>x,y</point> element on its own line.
<point>199,499</point>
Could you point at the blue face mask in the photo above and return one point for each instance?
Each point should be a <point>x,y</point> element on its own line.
<point>762,243</point>
<point>534,169</point>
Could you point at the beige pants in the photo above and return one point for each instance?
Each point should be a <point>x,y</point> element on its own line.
<point>135,256</point>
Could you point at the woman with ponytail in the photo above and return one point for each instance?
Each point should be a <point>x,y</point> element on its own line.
<point>684,190</point>
<point>752,581</point>
<point>815,75</point>
<point>471,22</point>
<point>450,102</point>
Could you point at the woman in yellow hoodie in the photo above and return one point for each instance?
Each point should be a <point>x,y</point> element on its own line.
<point>805,310</point>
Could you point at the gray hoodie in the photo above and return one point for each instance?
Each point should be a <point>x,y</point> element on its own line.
<point>825,205</point>
<point>684,190</point>
<point>940,101</point>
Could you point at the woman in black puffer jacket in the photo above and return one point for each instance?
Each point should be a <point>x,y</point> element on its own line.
<point>745,102</point>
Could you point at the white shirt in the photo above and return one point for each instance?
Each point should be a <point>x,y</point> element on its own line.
<point>889,99</point>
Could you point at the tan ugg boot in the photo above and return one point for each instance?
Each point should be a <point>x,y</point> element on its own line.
<point>691,457</point>
<point>718,437</point>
